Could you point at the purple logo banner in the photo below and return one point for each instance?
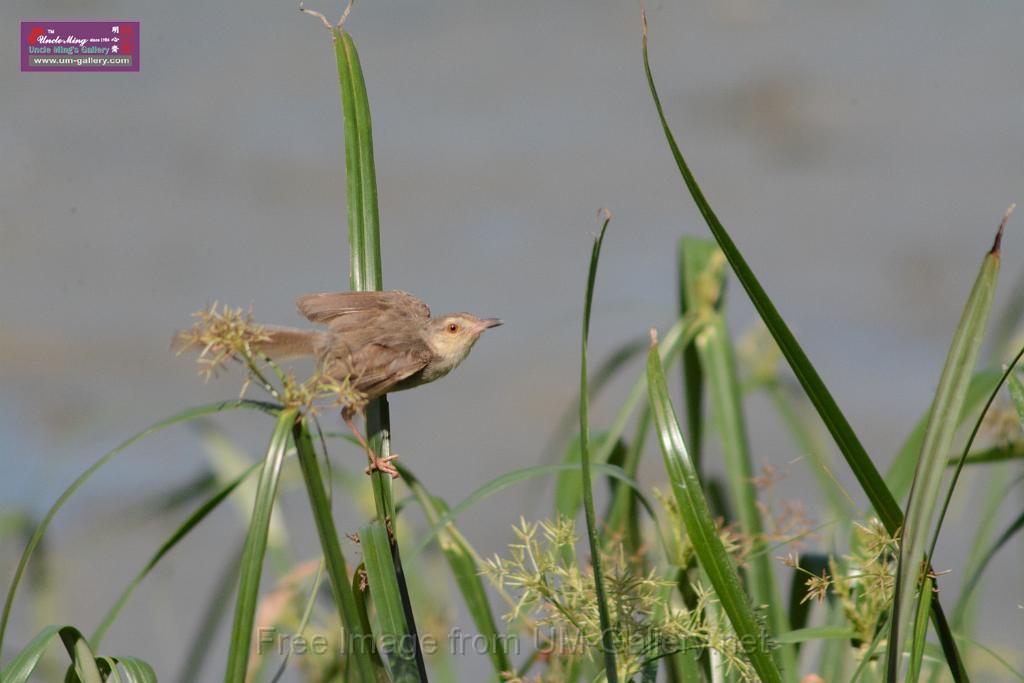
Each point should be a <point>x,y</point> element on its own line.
<point>79,45</point>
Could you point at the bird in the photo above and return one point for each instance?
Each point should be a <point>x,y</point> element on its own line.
<point>379,342</point>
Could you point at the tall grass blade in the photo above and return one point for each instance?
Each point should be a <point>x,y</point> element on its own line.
<point>395,637</point>
<point>464,564</point>
<point>839,427</point>
<point>19,669</point>
<point>358,638</point>
<point>365,271</point>
<point>593,537</point>
<point>938,441</point>
<point>700,526</point>
<point>719,365</point>
<point>255,548</point>
<point>183,416</point>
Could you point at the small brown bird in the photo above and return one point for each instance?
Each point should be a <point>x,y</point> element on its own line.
<point>380,342</point>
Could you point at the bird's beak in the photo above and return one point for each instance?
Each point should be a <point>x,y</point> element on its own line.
<point>488,323</point>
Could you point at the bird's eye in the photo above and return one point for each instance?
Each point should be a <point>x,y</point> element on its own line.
<point>453,328</point>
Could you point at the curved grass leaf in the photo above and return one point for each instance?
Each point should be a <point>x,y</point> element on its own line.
<point>464,564</point>
<point>719,367</point>
<point>365,272</point>
<point>700,526</point>
<point>593,536</point>
<point>938,441</point>
<point>86,667</point>
<point>395,638</point>
<point>255,548</point>
<point>358,647</point>
<point>183,416</point>
<point>19,669</point>
<point>839,427</point>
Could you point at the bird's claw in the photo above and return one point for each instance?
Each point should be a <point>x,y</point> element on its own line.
<point>383,465</point>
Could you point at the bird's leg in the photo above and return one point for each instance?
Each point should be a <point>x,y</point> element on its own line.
<point>376,462</point>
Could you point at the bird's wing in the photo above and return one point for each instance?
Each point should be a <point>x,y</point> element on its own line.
<point>345,311</point>
<point>375,368</point>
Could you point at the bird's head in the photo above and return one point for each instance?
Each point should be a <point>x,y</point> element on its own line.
<point>452,336</point>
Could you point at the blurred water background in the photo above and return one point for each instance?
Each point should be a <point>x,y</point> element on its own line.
<point>861,154</point>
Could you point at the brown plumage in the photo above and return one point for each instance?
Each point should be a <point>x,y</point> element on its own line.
<point>379,341</point>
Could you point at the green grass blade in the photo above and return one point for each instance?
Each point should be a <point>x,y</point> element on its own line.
<point>839,427</point>
<point>255,548</point>
<point>700,526</point>
<point>593,536</point>
<point>1008,374</point>
<point>623,519</point>
<point>19,669</point>
<point>183,416</point>
<point>938,441</point>
<point>719,365</point>
<point>464,564</point>
<point>837,424</point>
<point>83,659</point>
<point>365,272</point>
<point>395,637</point>
<point>358,639</point>
<point>136,670</point>
<point>193,520</point>
<point>678,336</point>
<point>700,288</point>
<point>920,632</point>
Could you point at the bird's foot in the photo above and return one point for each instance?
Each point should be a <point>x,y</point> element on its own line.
<point>383,465</point>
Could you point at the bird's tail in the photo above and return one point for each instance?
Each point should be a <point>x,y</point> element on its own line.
<point>284,342</point>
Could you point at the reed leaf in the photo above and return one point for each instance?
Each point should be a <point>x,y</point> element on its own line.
<point>251,567</point>
<point>839,427</point>
<point>395,637</point>
<point>593,534</point>
<point>717,360</point>
<point>463,561</point>
<point>700,526</point>
<point>938,441</point>
<point>358,650</point>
